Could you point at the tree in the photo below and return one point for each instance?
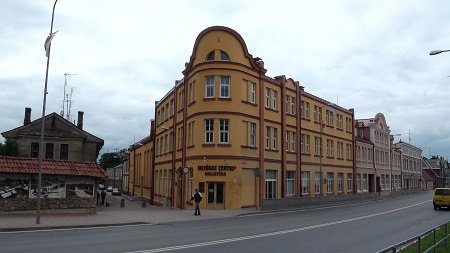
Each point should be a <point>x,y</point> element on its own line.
<point>112,159</point>
<point>9,148</point>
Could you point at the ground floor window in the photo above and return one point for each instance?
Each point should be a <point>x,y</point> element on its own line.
<point>290,183</point>
<point>305,182</point>
<point>271,184</point>
<point>340,182</point>
<point>364,182</point>
<point>317,183</point>
<point>358,182</point>
<point>330,182</point>
<point>349,182</point>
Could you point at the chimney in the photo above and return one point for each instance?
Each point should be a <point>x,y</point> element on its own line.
<point>27,118</point>
<point>80,120</point>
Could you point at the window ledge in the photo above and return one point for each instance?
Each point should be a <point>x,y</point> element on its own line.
<point>224,145</point>
<point>249,147</point>
<point>249,103</point>
<point>208,145</point>
<point>225,99</point>
<point>209,99</point>
<point>191,103</point>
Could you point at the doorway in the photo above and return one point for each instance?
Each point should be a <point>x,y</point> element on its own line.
<point>215,198</point>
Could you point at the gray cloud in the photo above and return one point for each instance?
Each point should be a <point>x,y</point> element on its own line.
<point>367,55</point>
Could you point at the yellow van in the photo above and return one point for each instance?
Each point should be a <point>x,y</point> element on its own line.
<point>441,198</point>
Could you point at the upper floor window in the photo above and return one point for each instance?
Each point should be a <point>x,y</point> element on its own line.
<point>64,152</point>
<point>49,151</point>
<point>224,56</point>
<point>211,56</point>
<point>209,87</point>
<point>224,131</point>
<point>267,94</point>
<point>35,149</point>
<point>252,97</point>
<point>224,86</point>
<point>274,99</point>
<point>209,130</point>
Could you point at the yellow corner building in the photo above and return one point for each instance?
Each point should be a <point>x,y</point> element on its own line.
<point>241,137</point>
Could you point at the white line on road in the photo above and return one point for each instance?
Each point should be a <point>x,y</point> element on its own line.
<point>242,238</point>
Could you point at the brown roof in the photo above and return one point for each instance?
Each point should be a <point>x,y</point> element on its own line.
<point>20,165</point>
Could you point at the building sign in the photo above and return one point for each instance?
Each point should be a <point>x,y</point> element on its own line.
<point>216,170</point>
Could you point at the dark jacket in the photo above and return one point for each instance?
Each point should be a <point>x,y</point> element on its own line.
<point>197,197</point>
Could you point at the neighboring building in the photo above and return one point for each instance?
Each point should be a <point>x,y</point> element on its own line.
<point>63,140</point>
<point>365,168</point>
<point>125,172</point>
<point>115,176</point>
<point>411,158</point>
<point>140,177</point>
<point>65,184</point>
<point>377,132</point>
<point>326,147</point>
<point>436,168</point>
<point>238,135</point>
<point>396,167</point>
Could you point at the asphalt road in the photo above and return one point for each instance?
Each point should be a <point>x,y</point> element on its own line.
<point>362,227</point>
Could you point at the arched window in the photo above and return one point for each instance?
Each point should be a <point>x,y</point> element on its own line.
<point>224,56</point>
<point>211,56</point>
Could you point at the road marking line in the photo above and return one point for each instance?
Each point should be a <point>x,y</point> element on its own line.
<point>68,229</point>
<point>202,244</point>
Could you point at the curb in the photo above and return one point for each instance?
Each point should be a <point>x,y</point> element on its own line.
<point>65,227</point>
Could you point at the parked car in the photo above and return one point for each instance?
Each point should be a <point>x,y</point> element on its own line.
<point>101,187</point>
<point>116,191</point>
<point>109,189</point>
<point>441,198</point>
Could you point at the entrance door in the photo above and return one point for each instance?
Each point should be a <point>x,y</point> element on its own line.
<point>215,199</point>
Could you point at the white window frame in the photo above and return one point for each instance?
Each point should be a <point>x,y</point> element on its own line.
<point>290,183</point>
<point>330,179</point>
<point>340,182</point>
<point>209,87</point>
<point>317,183</point>
<point>274,99</point>
<point>349,182</point>
<point>305,182</point>
<point>225,86</point>
<point>252,92</point>
<point>224,131</point>
<point>252,132</point>
<point>275,139</point>
<point>271,184</point>
<point>267,94</point>
<point>209,131</point>
<point>268,134</point>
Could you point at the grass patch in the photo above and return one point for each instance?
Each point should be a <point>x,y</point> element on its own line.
<point>427,242</point>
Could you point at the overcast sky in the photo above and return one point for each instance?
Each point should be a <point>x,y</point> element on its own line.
<point>368,55</point>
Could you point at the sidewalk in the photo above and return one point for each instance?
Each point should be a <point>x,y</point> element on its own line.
<point>132,213</point>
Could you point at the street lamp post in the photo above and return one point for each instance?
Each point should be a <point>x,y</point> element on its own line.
<point>41,140</point>
<point>435,52</point>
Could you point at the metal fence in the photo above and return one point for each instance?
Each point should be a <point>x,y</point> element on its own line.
<point>418,240</point>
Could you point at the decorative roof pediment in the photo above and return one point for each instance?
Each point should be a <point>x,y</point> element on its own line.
<point>213,42</point>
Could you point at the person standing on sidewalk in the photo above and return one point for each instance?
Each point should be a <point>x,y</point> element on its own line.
<point>103,196</point>
<point>197,197</point>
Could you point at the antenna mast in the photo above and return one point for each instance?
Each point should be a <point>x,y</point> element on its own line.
<point>67,98</point>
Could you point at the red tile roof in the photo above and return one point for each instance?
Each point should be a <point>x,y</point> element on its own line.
<point>20,165</point>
